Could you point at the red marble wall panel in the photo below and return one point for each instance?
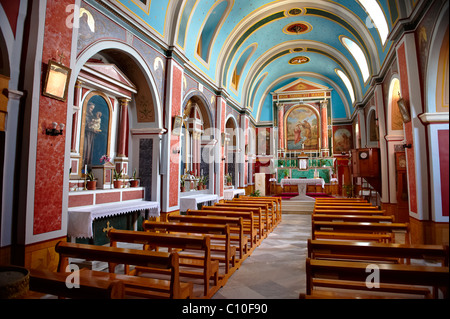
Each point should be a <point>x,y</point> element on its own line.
<point>444,164</point>
<point>51,149</point>
<point>81,200</point>
<point>137,194</point>
<point>404,83</point>
<point>177,82</point>
<point>110,197</point>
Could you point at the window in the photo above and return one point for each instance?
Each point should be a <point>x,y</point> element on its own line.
<point>359,56</point>
<point>347,83</point>
<point>374,11</point>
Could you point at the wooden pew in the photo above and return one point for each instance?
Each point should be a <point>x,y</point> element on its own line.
<point>54,283</point>
<point>394,278</point>
<point>275,200</point>
<point>257,216</point>
<point>221,232</point>
<point>345,208</point>
<point>383,232</point>
<point>237,223</point>
<point>271,208</point>
<point>335,204</point>
<point>249,227</point>
<point>209,269</point>
<point>367,212</point>
<point>341,200</point>
<point>324,249</point>
<point>136,287</point>
<point>266,215</point>
<point>352,218</point>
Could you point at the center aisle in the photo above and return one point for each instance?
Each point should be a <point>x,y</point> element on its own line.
<point>276,269</point>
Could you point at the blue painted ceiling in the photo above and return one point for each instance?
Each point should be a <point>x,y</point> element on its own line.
<point>245,47</point>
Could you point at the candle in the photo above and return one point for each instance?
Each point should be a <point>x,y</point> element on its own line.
<point>85,169</point>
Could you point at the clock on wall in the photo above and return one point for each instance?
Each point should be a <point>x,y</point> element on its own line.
<point>364,155</point>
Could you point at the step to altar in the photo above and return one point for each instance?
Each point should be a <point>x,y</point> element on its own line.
<point>297,207</point>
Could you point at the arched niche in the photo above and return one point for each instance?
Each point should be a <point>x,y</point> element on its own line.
<point>197,140</point>
<point>373,134</point>
<point>119,74</point>
<point>231,149</point>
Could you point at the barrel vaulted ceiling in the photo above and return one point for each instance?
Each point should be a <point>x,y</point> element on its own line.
<point>248,47</point>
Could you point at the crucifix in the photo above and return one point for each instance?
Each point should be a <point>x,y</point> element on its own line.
<point>61,57</point>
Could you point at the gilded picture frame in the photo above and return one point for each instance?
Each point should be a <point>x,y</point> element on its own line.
<point>57,80</point>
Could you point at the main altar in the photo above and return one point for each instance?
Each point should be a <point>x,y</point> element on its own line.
<point>302,184</point>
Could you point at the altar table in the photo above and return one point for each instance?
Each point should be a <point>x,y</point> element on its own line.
<point>229,194</point>
<point>302,184</point>
<point>81,218</point>
<point>190,202</point>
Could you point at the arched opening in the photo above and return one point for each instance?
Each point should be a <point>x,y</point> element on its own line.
<point>196,145</point>
<point>122,134</point>
<point>231,150</point>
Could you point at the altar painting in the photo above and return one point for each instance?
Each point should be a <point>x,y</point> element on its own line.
<point>302,130</point>
<point>95,129</point>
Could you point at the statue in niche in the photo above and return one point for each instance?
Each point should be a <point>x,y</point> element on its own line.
<point>95,131</point>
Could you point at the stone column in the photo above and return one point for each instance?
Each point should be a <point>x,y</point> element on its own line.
<point>122,134</point>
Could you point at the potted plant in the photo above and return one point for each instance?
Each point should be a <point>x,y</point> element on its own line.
<point>134,182</point>
<point>117,177</point>
<point>91,183</point>
<point>229,179</point>
<point>204,181</point>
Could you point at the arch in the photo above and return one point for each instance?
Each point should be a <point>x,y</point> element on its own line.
<point>439,40</point>
<point>205,110</point>
<point>394,120</point>
<point>6,43</point>
<point>232,148</point>
<point>372,134</point>
<point>103,45</point>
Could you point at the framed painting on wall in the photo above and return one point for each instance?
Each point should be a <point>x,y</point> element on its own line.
<point>342,139</point>
<point>302,129</point>
<point>56,81</point>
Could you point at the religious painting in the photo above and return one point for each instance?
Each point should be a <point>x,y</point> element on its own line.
<point>95,130</point>
<point>302,129</point>
<point>373,128</point>
<point>56,81</point>
<point>342,139</point>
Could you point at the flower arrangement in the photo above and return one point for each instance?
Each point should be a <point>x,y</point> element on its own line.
<point>105,158</point>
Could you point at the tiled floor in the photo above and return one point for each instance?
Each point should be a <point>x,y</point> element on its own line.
<point>276,269</point>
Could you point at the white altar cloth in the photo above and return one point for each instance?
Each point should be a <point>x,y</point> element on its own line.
<point>81,218</point>
<point>302,183</point>
<point>229,194</point>
<point>190,202</point>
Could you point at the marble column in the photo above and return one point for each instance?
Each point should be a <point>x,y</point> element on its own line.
<point>280,108</point>
<point>324,127</point>
<point>121,159</point>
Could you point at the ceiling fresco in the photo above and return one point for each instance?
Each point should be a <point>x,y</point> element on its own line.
<point>251,48</point>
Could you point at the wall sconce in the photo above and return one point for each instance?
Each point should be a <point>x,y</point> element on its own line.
<point>54,131</point>
<point>176,150</point>
<point>407,146</point>
<point>224,158</point>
